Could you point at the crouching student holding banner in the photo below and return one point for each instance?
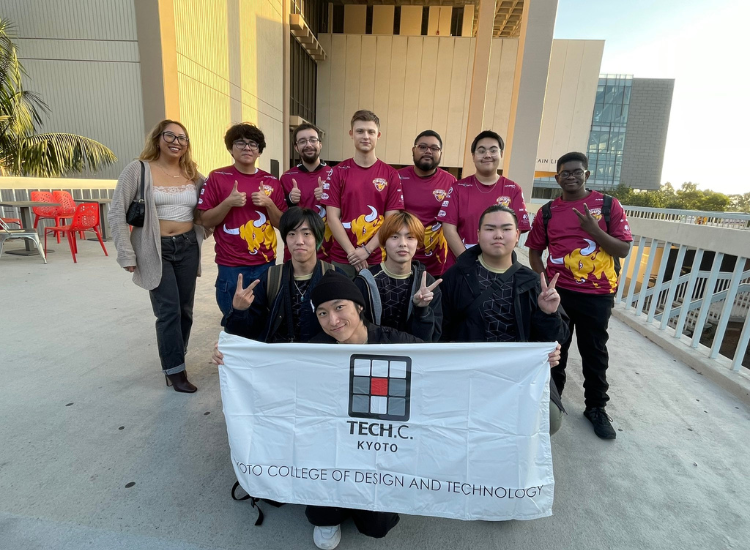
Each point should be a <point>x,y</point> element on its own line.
<point>339,307</point>
<point>489,297</point>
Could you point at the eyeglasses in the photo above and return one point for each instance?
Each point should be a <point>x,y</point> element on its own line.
<point>311,141</point>
<point>492,151</point>
<point>242,144</point>
<point>566,174</point>
<point>169,137</point>
<point>423,148</point>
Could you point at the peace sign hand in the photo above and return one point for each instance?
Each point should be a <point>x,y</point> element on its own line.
<point>243,298</point>
<point>295,194</point>
<point>549,299</point>
<point>319,190</point>
<point>588,222</point>
<point>424,295</point>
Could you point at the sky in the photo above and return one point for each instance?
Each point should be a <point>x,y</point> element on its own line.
<point>705,47</point>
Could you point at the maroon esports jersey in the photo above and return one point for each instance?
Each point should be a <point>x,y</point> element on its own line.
<point>246,236</point>
<point>306,183</point>
<point>470,198</point>
<point>424,197</point>
<point>583,265</point>
<point>364,195</point>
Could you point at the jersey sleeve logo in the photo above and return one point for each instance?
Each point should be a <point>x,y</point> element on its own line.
<point>504,200</point>
<point>439,194</point>
<point>379,183</point>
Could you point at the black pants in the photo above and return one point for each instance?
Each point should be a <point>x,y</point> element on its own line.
<point>172,300</point>
<point>589,316</point>
<point>372,524</point>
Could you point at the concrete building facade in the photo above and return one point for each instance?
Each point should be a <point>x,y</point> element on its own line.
<point>646,137</point>
<point>111,69</point>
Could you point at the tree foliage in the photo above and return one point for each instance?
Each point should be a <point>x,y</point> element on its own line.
<point>687,197</point>
<point>24,151</point>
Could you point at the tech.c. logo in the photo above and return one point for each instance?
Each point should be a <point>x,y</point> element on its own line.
<point>380,387</point>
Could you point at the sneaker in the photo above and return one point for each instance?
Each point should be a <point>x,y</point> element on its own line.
<point>601,421</point>
<point>327,538</point>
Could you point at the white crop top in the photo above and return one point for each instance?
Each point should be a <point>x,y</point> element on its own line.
<point>175,203</point>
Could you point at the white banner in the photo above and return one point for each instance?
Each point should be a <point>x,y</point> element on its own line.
<point>450,430</point>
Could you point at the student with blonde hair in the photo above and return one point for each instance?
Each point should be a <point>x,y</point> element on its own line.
<point>163,249</point>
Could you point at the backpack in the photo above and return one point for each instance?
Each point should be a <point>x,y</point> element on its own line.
<point>273,282</point>
<point>254,502</point>
<point>606,214</point>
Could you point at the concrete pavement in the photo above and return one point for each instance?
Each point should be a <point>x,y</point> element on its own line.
<point>85,412</point>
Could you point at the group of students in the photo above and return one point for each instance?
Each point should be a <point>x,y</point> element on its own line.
<point>374,255</point>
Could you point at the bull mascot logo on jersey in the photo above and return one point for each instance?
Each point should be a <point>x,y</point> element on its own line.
<point>258,234</point>
<point>587,261</point>
<point>365,225</point>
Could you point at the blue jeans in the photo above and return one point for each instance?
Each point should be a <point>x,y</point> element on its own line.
<point>172,300</point>
<point>226,283</point>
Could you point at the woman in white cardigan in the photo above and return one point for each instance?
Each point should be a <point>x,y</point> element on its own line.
<point>164,254</point>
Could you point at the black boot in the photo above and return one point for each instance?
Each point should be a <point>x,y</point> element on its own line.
<point>180,382</point>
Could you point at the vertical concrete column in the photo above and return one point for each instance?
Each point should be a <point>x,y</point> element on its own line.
<point>157,49</point>
<point>482,48</point>
<point>286,152</point>
<point>529,85</point>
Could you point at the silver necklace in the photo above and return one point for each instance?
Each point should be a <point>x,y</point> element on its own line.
<point>478,184</point>
<point>167,173</point>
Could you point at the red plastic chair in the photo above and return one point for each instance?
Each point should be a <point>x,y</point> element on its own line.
<point>67,208</point>
<point>44,212</point>
<point>85,218</point>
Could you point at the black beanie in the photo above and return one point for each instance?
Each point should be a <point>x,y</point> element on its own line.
<point>335,286</point>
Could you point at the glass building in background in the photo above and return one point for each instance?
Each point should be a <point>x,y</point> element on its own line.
<point>638,108</point>
<point>608,125</point>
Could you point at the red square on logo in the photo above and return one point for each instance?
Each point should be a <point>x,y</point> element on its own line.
<point>379,386</point>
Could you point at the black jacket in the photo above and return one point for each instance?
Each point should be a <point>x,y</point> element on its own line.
<point>463,321</point>
<point>423,322</point>
<point>375,335</point>
<point>261,321</point>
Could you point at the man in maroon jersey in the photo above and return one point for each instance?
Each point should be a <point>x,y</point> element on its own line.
<point>585,231</point>
<point>362,192</point>
<point>245,235</point>
<point>473,195</point>
<point>303,184</point>
<point>426,190</point>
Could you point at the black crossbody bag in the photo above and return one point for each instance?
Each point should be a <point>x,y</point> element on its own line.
<point>137,210</point>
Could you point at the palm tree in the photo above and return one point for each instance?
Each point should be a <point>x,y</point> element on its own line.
<point>23,151</point>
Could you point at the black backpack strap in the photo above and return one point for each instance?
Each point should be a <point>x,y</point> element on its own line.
<point>607,209</point>
<point>273,283</point>
<point>254,502</point>
<point>546,215</point>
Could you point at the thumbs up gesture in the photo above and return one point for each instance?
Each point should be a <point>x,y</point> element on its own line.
<point>236,198</point>
<point>260,198</point>
<point>295,194</point>
<point>319,190</point>
<point>424,295</point>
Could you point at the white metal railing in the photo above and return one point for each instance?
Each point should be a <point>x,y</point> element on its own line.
<point>731,220</point>
<point>686,303</point>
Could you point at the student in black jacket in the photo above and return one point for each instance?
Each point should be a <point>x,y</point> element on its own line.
<point>399,293</point>
<point>339,307</point>
<point>277,308</point>
<point>489,297</point>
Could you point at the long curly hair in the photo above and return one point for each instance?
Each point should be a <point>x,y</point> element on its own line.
<point>151,149</point>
